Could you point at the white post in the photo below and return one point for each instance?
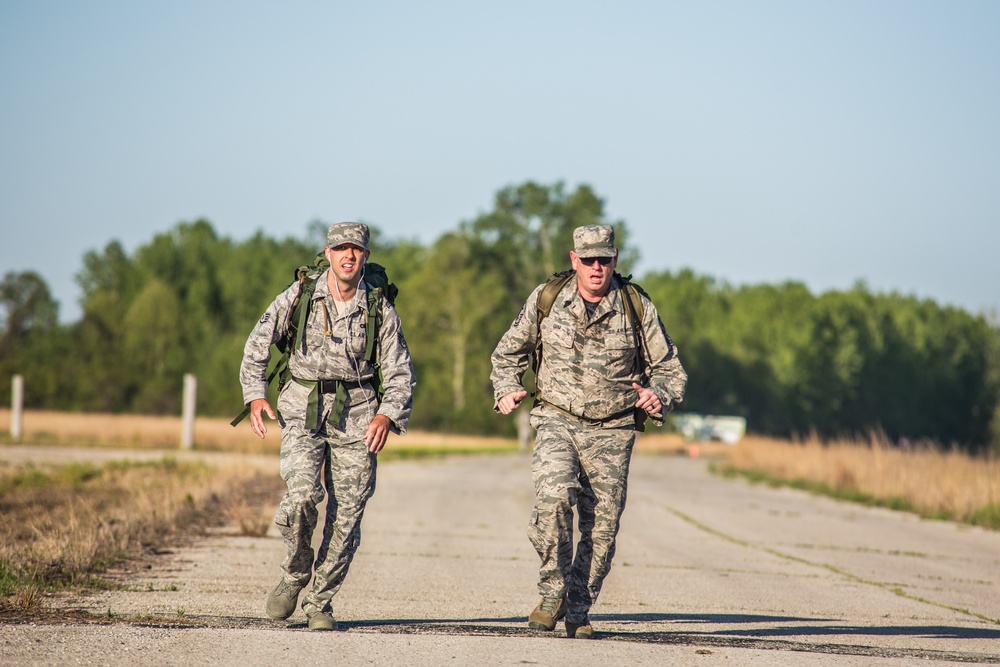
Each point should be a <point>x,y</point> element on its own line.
<point>190,392</point>
<point>17,408</point>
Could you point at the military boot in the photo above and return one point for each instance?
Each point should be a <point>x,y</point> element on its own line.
<point>545,615</point>
<point>282,600</point>
<point>320,620</point>
<point>581,630</point>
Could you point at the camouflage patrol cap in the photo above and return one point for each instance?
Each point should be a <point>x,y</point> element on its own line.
<point>594,241</point>
<point>354,233</point>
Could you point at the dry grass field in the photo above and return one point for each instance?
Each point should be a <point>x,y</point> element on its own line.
<point>64,524</point>
<point>137,431</point>
<point>210,433</point>
<point>922,479</point>
<point>216,434</point>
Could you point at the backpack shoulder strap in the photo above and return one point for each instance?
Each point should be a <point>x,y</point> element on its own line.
<point>546,298</point>
<point>631,299</point>
<point>549,293</point>
<point>298,314</point>
<point>374,322</point>
<point>631,295</point>
<point>634,311</point>
<point>378,287</point>
<point>306,276</point>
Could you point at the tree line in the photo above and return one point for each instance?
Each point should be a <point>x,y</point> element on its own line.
<point>791,362</point>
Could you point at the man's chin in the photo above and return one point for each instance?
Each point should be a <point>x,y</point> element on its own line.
<point>349,278</point>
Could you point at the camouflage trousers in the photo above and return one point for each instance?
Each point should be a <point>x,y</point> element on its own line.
<point>586,466</point>
<point>332,463</point>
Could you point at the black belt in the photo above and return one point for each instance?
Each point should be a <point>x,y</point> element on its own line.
<point>330,386</point>
<point>589,420</point>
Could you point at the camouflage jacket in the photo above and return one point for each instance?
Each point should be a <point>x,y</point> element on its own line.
<point>336,353</point>
<point>588,365</point>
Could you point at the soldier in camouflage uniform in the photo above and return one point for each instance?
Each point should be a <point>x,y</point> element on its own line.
<point>588,397</point>
<point>325,448</point>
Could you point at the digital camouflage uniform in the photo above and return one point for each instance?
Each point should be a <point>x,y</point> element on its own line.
<point>334,456</point>
<point>585,422</point>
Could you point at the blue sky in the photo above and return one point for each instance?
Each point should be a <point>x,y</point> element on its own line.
<point>822,142</point>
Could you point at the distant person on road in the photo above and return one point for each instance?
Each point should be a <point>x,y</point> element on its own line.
<point>333,421</point>
<point>599,377</point>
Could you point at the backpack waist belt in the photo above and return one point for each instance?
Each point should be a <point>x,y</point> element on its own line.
<point>317,387</point>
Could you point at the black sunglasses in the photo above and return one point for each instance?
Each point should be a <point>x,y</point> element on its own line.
<point>589,261</point>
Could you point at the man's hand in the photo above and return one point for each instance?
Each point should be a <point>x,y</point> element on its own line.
<point>377,433</point>
<point>257,406</point>
<point>648,400</point>
<point>510,401</point>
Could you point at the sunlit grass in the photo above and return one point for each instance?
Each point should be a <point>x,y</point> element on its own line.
<point>81,429</point>
<point>214,434</point>
<point>63,526</point>
<point>924,480</point>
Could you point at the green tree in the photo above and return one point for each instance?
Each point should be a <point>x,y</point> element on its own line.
<point>29,336</point>
<point>156,349</point>
<point>446,305</point>
<point>98,376</point>
<point>26,308</point>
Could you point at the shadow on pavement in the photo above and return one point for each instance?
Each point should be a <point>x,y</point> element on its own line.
<point>770,637</point>
<point>928,631</point>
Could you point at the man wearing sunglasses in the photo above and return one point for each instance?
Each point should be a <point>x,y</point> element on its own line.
<point>598,377</point>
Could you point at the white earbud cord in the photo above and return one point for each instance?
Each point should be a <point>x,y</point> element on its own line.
<point>349,347</point>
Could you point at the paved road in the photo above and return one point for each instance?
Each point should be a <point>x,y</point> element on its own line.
<point>709,572</point>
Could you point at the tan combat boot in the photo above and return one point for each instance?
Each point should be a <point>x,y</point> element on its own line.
<point>281,602</point>
<point>581,630</point>
<point>545,615</point>
<point>319,620</point>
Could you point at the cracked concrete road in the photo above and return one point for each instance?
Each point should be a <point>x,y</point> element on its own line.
<point>708,572</point>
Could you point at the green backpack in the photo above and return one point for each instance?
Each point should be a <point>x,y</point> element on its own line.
<point>634,311</point>
<point>377,282</point>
